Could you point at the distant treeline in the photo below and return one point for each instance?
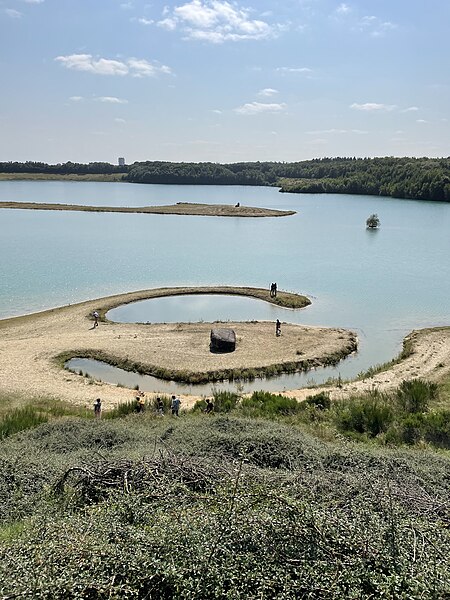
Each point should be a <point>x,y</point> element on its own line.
<point>68,168</point>
<point>418,178</point>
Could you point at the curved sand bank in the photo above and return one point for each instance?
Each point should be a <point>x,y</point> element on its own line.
<point>29,345</point>
<point>181,208</point>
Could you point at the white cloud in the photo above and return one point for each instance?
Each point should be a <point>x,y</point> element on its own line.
<point>119,120</point>
<point>373,107</point>
<point>86,62</point>
<point>111,100</point>
<point>343,9</point>
<point>421,121</point>
<point>216,21</point>
<point>294,70</point>
<point>145,21</point>
<point>375,26</point>
<point>102,66</point>
<point>255,108</point>
<point>336,131</point>
<point>410,109</point>
<point>76,98</point>
<point>33,1</point>
<point>143,68</point>
<point>12,13</point>
<point>169,24</point>
<point>267,92</point>
<point>216,111</point>
<point>126,5</point>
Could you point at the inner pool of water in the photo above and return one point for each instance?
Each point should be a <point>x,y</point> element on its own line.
<point>194,308</point>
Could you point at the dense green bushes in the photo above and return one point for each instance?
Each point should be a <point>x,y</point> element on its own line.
<point>402,417</point>
<point>191,508</point>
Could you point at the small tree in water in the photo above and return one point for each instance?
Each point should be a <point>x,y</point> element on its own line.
<point>373,222</point>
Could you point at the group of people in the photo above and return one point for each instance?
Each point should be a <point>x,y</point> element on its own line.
<point>175,404</point>
<point>273,290</point>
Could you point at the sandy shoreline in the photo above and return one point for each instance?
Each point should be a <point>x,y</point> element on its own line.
<point>180,208</point>
<point>29,345</point>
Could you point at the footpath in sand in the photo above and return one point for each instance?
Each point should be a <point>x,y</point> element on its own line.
<point>29,345</point>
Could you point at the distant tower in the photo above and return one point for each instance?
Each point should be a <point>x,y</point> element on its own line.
<point>121,161</point>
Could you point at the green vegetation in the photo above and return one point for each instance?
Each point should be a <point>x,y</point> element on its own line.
<point>418,178</point>
<point>194,377</point>
<point>63,177</point>
<point>373,221</point>
<point>218,506</point>
<point>68,168</point>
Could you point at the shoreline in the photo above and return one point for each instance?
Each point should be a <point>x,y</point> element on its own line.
<point>180,208</point>
<point>30,345</point>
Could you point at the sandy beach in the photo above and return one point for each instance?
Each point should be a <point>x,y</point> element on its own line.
<point>29,345</point>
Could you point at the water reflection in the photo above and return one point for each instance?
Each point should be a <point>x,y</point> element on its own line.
<point>194,308</point>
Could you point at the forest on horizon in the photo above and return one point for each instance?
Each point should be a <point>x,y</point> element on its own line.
<point>414,178</point>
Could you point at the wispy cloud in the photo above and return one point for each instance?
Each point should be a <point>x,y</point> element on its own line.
<point>410,109</point>
<point>119,120</point>
<point>144,21</point>
<point>76,99</point>
<point>267,92</point>
<point>373,107</point>
<point>13,13</point>
<point>256,108</point>
<point>374,26</point>
<point>103,66</point>
<point>33,1</point>
<point>343,9</point>
<point>216,21</point>
<point>335,131</point>
<point>111,100</point>
<point>294,70</point>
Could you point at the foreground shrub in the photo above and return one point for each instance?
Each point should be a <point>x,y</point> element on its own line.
<point>415,395</point>
<point>370,415</point>
<point>183,528</point>
<point>20,419</point>
<point>267,404</point>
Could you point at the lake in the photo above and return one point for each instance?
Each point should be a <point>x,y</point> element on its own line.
<point>381,283</point>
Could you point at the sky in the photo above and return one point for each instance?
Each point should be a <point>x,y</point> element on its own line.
<point>223,81</point>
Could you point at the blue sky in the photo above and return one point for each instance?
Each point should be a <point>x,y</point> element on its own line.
<point>211,80</point>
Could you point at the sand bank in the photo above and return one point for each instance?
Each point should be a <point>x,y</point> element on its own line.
<point>29,345</point>
<point>181,208</point>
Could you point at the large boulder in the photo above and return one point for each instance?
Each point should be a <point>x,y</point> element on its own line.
<point>223,340</point>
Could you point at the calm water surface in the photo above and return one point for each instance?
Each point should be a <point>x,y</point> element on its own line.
<point>382,284</point>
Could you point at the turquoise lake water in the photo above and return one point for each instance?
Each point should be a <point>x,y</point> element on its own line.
<point>382,283</point>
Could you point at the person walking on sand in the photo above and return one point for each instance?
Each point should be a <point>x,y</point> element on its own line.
<point>98,408</point>
<point>278,328</point>
<point>175,406</point>
<point>96,317</point>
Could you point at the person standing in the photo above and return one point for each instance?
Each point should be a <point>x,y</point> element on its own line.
<point>98,408</point>
<point>278,328</point>
<point>175,406</point>
<point>96,317</point>
<point>209,406</point>
<point>160,406</point>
